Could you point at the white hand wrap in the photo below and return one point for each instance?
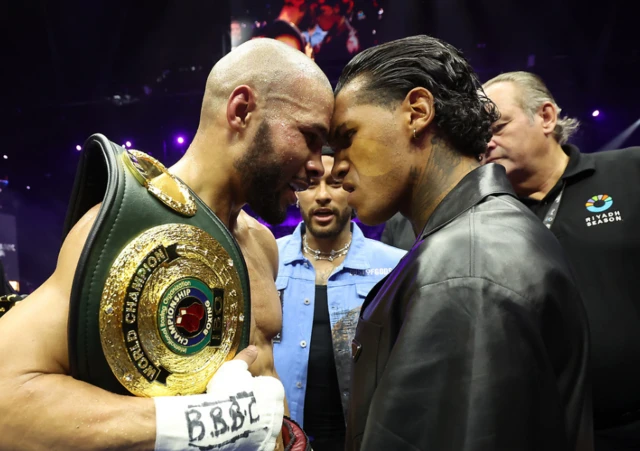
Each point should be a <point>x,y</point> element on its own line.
<point>239,412</point>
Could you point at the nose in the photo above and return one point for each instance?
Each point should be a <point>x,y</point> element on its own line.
<point>314,166</point>
<point>323,197</point>
<point>340,167</point>
<point>491,144</point>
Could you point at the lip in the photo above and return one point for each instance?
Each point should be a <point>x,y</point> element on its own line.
<point>324,220</point>
<point>322,211</point>
<point>492,159</point>
<point>326,215</point>
<point>290,196</point>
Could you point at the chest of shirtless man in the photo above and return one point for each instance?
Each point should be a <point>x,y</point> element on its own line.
<point>260,253</point>
<point>43,363</point>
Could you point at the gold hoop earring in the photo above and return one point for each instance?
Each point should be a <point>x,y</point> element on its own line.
<point>298,203</point>
<point>414,134</point>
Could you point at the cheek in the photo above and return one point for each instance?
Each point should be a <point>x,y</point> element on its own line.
<point>291,148</point>
<point>506,143</point>
<point>339,197</point>
<point>518,147</point>
<point>305,198</point>
<point>373,158</point>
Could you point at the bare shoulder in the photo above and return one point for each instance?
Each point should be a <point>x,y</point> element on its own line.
<point>259,238</point>
<point>73,244</point>
<point>45,350</point>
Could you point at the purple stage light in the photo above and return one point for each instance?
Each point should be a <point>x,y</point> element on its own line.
<point>128,143</point>
<point>595,113</point>
<point>180,140</point>
<point>78,147</point>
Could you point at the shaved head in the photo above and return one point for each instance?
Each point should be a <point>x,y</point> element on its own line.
<point>275,71</point>
<point>265,115</point>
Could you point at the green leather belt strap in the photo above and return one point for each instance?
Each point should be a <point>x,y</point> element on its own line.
<point>127,210</point>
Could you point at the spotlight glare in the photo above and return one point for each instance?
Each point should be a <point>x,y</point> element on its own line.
<point>128,143</point>
<point>78,147</point>
<point>180,140</point>
<point>5,157</point>
<point>595,113</point>
<point>28,187</point>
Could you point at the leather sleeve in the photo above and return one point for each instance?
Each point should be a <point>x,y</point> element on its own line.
<point>466,372</point>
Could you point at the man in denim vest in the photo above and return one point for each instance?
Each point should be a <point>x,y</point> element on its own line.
<point>326,269</point>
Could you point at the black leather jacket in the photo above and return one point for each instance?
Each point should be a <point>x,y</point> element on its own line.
<point>478,339</point>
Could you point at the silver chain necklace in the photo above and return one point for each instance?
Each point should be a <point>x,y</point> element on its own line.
<point>331,256</point>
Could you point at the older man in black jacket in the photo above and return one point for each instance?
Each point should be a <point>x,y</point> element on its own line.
<point>478,339</point>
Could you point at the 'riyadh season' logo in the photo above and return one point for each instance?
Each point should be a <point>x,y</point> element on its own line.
<point>599,204</point>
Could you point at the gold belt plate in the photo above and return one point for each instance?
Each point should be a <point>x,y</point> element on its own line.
<point>152,174</point>
<point>171,312</point>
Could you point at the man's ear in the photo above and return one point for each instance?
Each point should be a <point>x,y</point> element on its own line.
<point>420,106</point>
<point>240,106</point>
<point>549,115</point>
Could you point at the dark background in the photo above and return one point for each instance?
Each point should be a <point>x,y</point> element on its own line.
<point>136,70</point>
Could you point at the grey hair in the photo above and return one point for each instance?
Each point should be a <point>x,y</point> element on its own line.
<point>534,94</point>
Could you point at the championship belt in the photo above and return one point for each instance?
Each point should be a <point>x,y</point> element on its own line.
<point>160,296</point>
<point>8,301</point>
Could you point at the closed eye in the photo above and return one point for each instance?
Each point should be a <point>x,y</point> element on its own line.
<point>345,140</point>
<point>310,138</point>
<point>314,141</point>
<point>498,128</point>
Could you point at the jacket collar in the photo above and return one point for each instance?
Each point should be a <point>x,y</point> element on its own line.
<point>473,188</point>
<point>356,256</point>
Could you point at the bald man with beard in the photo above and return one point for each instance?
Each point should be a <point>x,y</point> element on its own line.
<point>265,114</point>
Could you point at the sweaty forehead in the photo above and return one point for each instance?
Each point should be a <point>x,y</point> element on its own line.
<point>307,102</point>
<point>352,95</point>
<point>346,101</point>
<point>355,107</point>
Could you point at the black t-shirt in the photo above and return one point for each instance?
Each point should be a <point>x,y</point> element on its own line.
<point>598,225</point>
<point>542,207</point>
<point>323,416</point>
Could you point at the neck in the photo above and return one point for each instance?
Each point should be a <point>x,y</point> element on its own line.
<point>215,184</point>
<point>545,175</point>
<point>334,243</point>
<point>442,171</point>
